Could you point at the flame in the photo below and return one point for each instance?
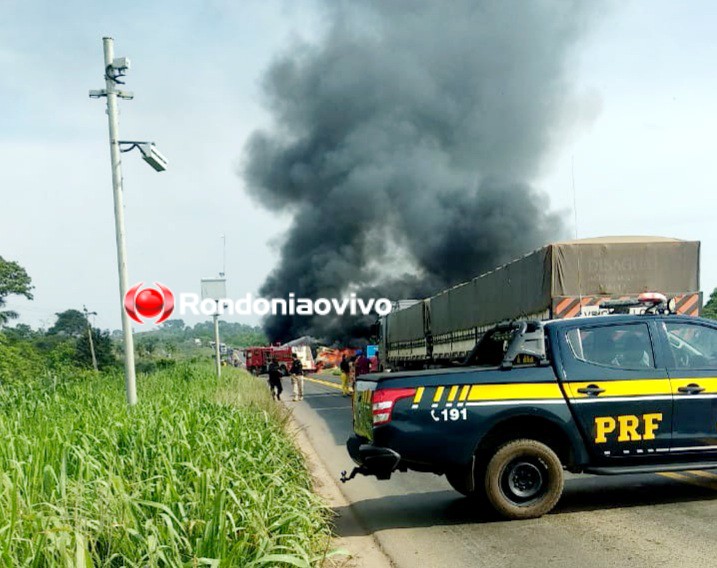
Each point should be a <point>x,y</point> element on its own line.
<point>326,357</point>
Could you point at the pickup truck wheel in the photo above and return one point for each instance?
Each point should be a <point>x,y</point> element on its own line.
<point>524,479</point>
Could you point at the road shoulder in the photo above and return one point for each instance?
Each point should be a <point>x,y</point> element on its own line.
<point>363,548</point>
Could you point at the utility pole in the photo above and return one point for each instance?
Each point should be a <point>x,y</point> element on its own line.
<point>114,70</point>
<point>215,289</point>
<point>89,335</point>
<point>217,355</point>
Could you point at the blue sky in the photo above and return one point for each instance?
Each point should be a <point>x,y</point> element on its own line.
<point>641,139</point>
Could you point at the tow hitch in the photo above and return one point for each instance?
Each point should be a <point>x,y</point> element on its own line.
<point>354,472</point>
<point>372,460</point>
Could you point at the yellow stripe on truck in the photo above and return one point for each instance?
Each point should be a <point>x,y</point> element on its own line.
<point>464,393</point>
<point>707,383</point>
<point>552,391</point>
<point>633,387</point>
<point>515,391</point>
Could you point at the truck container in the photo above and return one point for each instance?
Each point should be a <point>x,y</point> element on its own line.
<point>560,280</point>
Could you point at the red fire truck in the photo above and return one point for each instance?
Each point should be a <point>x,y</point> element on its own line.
<point>258,358</point>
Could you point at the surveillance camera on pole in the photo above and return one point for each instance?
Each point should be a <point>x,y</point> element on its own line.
<point>121,64</point>
<point>149,152</point>
<point>151,155</point>
<point>115,69</point>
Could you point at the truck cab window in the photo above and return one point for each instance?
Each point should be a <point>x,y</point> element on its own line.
<point>622,346</point>
<point>692,346</point>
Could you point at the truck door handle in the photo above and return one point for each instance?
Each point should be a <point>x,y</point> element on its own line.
<point>692,388</point>
<point>591,390</point>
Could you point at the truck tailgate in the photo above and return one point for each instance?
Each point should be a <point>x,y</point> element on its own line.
<point>362,410</point>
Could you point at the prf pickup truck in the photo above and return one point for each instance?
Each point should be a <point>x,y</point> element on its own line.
<point>605,395</point>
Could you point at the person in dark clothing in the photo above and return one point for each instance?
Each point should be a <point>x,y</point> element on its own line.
<point>297,377</point>
<point>373,363</point>
<point>362,364</point>
<point>275,375</point>
<point>345,368</point>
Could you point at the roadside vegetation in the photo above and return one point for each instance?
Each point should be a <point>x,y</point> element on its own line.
<point>710,308</point>
<point>200,473</point>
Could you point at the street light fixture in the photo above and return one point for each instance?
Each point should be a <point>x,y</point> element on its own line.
<point>115,70</point>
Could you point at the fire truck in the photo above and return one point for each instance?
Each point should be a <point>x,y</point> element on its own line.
<point>258,358</point>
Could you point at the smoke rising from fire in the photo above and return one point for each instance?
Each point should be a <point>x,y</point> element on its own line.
<point>408,136</point>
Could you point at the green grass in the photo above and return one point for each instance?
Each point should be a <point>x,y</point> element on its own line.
<point>199,473</point>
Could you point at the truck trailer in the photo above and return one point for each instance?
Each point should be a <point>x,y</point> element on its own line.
<point>560,280</point>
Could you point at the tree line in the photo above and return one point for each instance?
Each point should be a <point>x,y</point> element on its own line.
<point>67,341</point>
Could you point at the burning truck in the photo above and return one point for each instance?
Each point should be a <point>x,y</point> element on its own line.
<point>329,357</point>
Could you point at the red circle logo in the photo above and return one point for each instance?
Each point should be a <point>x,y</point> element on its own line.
<point>149,303</point>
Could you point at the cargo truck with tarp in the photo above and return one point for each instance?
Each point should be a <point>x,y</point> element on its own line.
<point>560,280</point>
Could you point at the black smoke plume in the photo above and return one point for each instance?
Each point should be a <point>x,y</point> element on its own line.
<point>404,144</point>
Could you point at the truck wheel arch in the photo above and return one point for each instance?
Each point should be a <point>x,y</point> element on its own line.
<point>539,428</point>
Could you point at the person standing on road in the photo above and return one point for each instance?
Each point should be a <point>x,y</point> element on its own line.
<point>352,374</point>
<point>275,375</point>
<point>297,377</point>
<point>345,370</point>
<point>373,362</point>
<point>362,364</point>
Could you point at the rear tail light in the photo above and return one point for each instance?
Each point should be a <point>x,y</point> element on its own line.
<point>383,402</point>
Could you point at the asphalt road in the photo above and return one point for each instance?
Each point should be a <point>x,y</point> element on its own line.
<point>418,520</point>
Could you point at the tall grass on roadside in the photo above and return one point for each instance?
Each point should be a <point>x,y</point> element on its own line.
<point>192,476</point>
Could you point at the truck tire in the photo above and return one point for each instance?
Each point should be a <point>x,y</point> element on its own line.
<point>524,479</point>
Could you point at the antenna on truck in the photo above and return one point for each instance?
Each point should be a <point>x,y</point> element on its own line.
<point>575,220</point>
<point>575,198</point>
